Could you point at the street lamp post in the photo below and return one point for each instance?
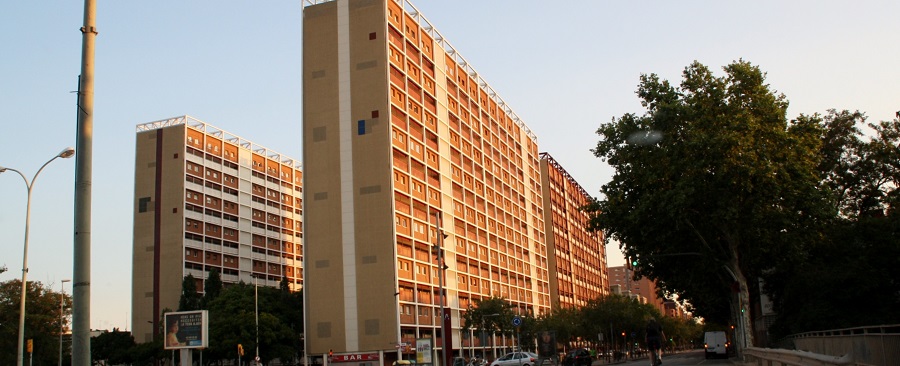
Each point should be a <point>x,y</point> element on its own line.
<point>446,346</point>
<point>62,294</point>
<point>65,154</point>
<point>483,326</point>
<point>256,312</point>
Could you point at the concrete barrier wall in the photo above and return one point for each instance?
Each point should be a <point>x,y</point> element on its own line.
<point>869,349</point>
<point>877,345</point>
<point>785,357</point>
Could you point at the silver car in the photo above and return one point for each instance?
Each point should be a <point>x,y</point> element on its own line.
<point>516,359</point>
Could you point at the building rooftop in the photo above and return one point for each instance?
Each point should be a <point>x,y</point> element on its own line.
<point>206,128</point>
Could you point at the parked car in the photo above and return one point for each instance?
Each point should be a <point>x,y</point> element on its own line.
<point>578,357</point>
<point>516,359</point>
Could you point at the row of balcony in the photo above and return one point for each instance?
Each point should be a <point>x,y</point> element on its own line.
<point>245,175</point>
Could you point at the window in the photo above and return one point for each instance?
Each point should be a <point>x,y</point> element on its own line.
<point>143,202</point>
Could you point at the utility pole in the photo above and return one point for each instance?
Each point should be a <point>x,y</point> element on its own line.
<point>256,311</point>
<point>445,337</point>
<point>81,279</point>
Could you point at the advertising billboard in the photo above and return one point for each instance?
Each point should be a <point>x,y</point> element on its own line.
<point>423,350</point>
<point>186,329</point>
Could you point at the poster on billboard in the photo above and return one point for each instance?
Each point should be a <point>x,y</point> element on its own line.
<point>423,351</point>
<point>547,344</point>
<point>186,329</point>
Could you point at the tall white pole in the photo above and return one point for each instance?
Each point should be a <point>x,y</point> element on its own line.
<point>62,298</point>
<point>20,359</point>
<point>81,280</point>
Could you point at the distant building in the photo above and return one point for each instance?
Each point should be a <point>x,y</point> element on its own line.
<point>676,310</point>
<point>643,289</point>
<point>577,256</point>
<point>205,200</point>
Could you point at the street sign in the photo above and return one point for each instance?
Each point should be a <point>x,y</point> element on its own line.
<point>517,321</point>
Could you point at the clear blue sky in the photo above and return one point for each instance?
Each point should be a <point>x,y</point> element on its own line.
<point>564,68</point>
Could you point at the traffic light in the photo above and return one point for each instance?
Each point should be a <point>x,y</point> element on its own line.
<point>631,263</point>
<point>240,350</point>
<point>30,346</point>
<point>330,353</point>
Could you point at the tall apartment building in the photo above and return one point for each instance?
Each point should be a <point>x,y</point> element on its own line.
<point>407,148</point>
<point>206,199</point>
<point>643,288</point>
<point>577,256</point>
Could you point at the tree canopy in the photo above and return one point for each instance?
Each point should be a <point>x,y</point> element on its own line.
<point>42,320</point>
<point>114,348</point>
<point>606,318</point>
<point>711,184</point>
<point>714,188</point>
<point>851,276</point>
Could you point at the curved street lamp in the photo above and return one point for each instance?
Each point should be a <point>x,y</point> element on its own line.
<point>65,154</point>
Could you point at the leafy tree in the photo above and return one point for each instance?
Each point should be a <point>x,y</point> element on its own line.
<point>212,288</point>
<point>712,182</point>
<point>232,319</point>
<point>488,316</point>
<point>146,354</point>
<point>614,314</point>
<point>113,348</point>
<point>858,257</point>
<point>607,315</point>
<point>42,320</point>
<point>190,299</point>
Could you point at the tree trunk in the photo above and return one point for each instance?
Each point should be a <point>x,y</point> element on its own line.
<point>740,306</point>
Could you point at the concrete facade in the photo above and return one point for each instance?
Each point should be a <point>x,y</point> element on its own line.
<point>577,256</point>
<point>406,149</point>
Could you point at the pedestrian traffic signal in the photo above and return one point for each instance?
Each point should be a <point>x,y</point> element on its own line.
<point>330,353</point>
<point>30,346</point>
<point>240,350</point>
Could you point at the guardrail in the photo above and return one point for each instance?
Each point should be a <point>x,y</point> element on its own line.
<point>778,357</point>
<point>874,345</point>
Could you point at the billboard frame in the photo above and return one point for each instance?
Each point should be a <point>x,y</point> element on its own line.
<point>193,329</point>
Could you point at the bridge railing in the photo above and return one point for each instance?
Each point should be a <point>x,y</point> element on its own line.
<point>875,345</point>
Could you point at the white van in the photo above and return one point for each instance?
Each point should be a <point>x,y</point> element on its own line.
<point>715,344</point>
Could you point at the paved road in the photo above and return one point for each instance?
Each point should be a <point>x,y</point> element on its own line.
<point>679,359</point>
